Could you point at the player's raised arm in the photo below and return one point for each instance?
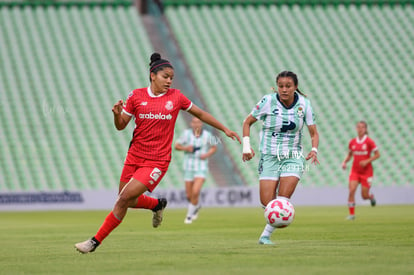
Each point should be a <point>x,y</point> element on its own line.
<point>211,120</point>
<point>121,119</point>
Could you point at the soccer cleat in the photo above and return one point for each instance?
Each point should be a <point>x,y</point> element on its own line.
<point>373,202</point>
<point>158,211</point>
<point>350,217</point>
<point>188,220</point>
<point>265,240</point>
<point>87,246</point>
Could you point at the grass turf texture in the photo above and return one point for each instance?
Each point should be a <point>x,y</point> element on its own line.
<point>221,241</point>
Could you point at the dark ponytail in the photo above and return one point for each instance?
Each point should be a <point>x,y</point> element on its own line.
<point>158,64</point>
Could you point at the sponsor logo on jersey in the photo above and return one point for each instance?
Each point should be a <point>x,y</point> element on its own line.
<point>155,174</point>
<point>360,153</point>
<point>155,116</point>
<point>144,103</point>
<point>287,126</point>
<point>261,103</point>
<point>169,105</point>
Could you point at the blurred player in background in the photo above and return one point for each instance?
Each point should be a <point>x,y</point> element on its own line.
<point>197,144</point>
<point>284,113</point>
<point>155,110</point>
<point>364,151</point>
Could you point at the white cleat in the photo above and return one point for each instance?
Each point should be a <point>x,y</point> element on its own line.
<point>266,241</point>
<point>188,220</point>
<point>195,215</point>
<point>87,246</point>
<point>350,217</point>
<point>158,211</point>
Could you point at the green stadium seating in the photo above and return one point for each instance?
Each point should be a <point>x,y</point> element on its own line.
<point>61,70</point>
<point>347,57</point>
<point>63,66</point>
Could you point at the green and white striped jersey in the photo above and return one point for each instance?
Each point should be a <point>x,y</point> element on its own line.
<point>281,134</point>
<point>201,145</point>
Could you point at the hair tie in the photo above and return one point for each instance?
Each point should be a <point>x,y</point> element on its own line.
<point>163,63</point>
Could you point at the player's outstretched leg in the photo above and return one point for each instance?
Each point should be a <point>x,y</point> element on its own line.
<point>158,212</point>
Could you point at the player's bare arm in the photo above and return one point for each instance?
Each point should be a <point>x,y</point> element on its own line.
<point>248,152</point>
<point>364,163</point>
<point>347,158</point>
<point>209,153</point>
<point>121,119</point>
<point>209,119</point>
<point>313,154</point>
<point>186,148</point>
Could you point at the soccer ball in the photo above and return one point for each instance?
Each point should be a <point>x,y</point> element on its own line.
<point>279,213</point>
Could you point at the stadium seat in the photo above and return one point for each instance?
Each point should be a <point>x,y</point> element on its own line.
<point>63,67</point>
<point>343,55</point>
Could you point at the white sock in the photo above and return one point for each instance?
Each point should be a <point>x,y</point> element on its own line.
<point>191,209</point>
<point>283,198</point>
<point>267,231</point>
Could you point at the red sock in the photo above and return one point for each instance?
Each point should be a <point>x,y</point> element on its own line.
<point>110,223</point>
<point>351,206</point>
<point>146,202</point>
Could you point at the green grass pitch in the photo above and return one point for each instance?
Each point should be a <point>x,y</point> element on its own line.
<point>221,241</point>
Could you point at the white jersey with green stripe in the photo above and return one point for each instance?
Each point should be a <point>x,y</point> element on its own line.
<point>281,133</point>
<point>201,145</point>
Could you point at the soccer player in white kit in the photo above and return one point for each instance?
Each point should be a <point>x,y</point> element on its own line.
<point>283,113</point>
<point>198,145</point>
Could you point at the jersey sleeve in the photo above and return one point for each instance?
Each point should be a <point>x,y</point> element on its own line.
<point>262,108</point>
<point>372,146</point>
<point>309,114</point>
<point>128,107</point>
<point>186,104</point>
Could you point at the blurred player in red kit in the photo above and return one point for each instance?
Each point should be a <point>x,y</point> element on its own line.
<point>364,151</point>
<point>155,110</point>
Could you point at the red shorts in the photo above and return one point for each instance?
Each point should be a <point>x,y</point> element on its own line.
<point>148,172</point>
<point>364,179</point>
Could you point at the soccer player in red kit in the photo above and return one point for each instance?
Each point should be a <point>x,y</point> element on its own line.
<point>155,110</point>
<point>364,151</point>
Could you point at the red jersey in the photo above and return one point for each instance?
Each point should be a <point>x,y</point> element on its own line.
<point>155,118</point>
<point>361,149</point>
